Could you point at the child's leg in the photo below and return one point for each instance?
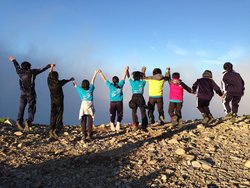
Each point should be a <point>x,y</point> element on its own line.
<point>83,125</point>
<point>59,121</point>
<point>53,116</point>
<point>119,111</point>
<point>22,105</point>
<point>32,108</point>
<point>178,110</point>
<point>151,108</point>
<point>159,102</point>
<point>134,116</point>
<point>112,111</point>
<point>226,104</point>
<point>144,117</point>
<point>235,104</point>
<point>90,126</point>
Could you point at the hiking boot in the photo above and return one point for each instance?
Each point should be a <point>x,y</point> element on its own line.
<point>211,118</point>
<point>174,120</point>
<point>228,116</point>
<point>118,127</point>
<point>112,126</point>
<point>19,125</point>
<point>205,120</point>
<point>26,126</point>
<point>162,120</point>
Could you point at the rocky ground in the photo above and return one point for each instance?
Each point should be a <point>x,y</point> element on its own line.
<point>188,156</point>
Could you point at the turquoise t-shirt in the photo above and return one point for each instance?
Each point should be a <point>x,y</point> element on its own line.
<point>86,95</point>
<point>137,86</point>
<point>115,94</point>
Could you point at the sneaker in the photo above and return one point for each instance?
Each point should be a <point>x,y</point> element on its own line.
<point>26,126</point>
<point>112,126</point>
<point>152,120</point>
<point>118,127</point>
<point>174,120</point>
<point>228,116</point>
<point>19,126</point>
<point>161,118</point>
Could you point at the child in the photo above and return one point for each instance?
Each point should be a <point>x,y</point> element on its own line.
<point>233,87</point>
<point>155,94</point>
<point>27,78</point>
<point>56,96</point>
<point>176,87</point>
<point>137,100</point>
<point>87,110</point>
<point>205,87</point>
<point>116,99</point>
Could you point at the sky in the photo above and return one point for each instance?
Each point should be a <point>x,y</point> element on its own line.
<point>80,36</point>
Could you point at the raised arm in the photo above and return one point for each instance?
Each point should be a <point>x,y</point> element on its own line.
<point>17,66</point>
<point>128,75</point>
<point>102,75</point>
<point>94,77</point>
<point>51,67</point>
<point>38,71</point>
<point>125,73</point>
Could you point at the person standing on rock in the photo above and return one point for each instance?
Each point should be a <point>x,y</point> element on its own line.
<point>27,78</point>
<point>87,110</point>
<point>138,101</point>
<point>116,99</point>
<point>57,97</point>
<point>155,94</point>
<point>176,88</point>
<point>233,87</point>
<point>205,87</point>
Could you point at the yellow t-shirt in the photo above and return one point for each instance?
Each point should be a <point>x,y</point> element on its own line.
<point>155,87</point>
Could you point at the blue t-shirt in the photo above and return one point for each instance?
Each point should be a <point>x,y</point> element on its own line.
<point>137,86</point>
<point>115,94</point>
<point>86,95</point>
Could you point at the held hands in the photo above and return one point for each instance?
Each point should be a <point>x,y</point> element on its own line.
<point>72,79</point>
<point>143,69</point>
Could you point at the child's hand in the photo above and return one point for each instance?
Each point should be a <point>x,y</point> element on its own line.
<point>52,65</point>
<point>143,69</point>
<point>11,58</point>
<point>72,79</point>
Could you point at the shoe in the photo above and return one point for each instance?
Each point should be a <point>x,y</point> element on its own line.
<point>26,126</point>
<point>234,116</point>
<point>180,122</point>
<point>134,126</point>
<point>174,120</point>
<point>144,129</point>
<point>205,120</point>
<point>118,127</point>
<point>89,137</point>
<point>211,118</point>
<point>228,116</point>
<point>112,127</point>
<point>152,120</point>
<point>19,126</point>
<point>161,118</point>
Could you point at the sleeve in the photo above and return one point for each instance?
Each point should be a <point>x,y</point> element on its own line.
<point>38,71</point>
<point>17,66</point>
<point>63,82</point>
<point>108,83</point>
<point>186,87</point>
<point>121,83</point>
<point>217,89</point>
<point>195,85</point>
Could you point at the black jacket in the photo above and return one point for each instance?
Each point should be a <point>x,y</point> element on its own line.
<point>27,77</point>
<point>206,88</point>
<point>232,83</point>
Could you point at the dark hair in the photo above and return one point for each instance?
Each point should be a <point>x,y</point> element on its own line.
<point>228,66</point>
<point>115,81</point>
<point>54,75</point>
<point>85,84</point>
<point>207,74</point>
<point>25,65</point>
<point>157,71</point>
<point>176,75</point>
<point>137,75</point>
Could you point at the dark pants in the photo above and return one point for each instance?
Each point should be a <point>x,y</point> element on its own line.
<point>56,114</point>
<point>174,109</point>
<point>139,101</point>
<point>234,102</point>
<point>203,106</point>
<point>27,98</point>
<point>151,107</point>
<point>84,120</point>
<point>116,108</point>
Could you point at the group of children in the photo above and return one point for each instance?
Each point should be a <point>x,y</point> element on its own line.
<point>232,91</point>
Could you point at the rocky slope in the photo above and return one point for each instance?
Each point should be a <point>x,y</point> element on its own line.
<point>188,156</point>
